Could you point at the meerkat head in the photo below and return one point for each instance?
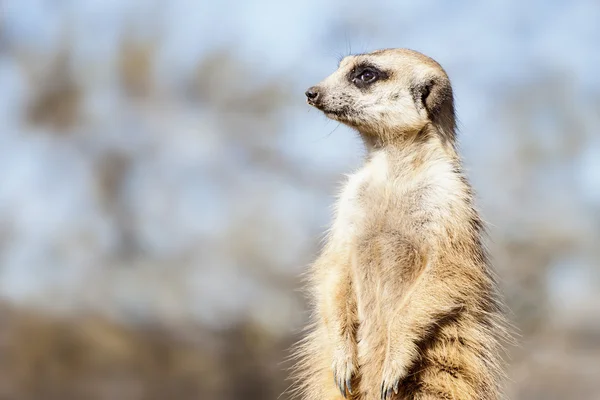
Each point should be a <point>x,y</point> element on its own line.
<point>387,94</point>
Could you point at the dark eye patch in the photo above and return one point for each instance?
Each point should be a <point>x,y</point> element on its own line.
<point>365,74</point>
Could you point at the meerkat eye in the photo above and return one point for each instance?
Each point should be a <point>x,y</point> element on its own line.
<point>367,76</point>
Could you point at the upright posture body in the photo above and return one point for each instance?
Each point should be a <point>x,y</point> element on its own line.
<point>405,305</point>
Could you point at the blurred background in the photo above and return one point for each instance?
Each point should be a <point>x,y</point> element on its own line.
<point>163,184</point>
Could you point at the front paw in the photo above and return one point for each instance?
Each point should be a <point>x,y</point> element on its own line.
<point>343,370</point>
<point>393,372</point>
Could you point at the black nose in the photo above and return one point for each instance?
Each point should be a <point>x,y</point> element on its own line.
<point>312,93</point>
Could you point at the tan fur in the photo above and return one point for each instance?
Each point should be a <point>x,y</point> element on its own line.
<point>405,305</point>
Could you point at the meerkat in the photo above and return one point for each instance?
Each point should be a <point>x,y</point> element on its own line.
<point>405,301</point>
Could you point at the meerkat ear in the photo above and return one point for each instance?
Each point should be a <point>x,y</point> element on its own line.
<point>432,95</point>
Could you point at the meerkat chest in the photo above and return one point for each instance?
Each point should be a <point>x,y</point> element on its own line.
<point>359,191</point>
<point>378,193</point>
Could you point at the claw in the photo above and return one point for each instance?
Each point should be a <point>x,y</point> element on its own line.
<point>342,377</point>
<point>340,385</point>
<point>349,384</point>
<point>386,392</point>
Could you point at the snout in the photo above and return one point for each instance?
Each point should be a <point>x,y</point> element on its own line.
<point>313,95</point>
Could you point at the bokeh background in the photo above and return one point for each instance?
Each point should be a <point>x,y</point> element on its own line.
<point>163,184</point>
